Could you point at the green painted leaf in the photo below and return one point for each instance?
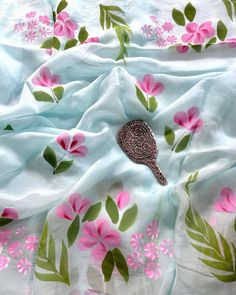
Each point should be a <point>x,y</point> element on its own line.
<point>234,5</point>
<point>226,278</point>
<point>64,264</point>
<point>221,265</point>
<point>47,43</point>
<point>221,30</point>
<point>211,236</point>
<point>228,6</point>
<point>49,277</point>
<point>63,166</point>
<point>190,12</point>
<point>235,224</point>
<point>197,237</point>
<point>113,8</point>
<point>70,43</point>
<point>4,221</point>
<point>169,135</point>
<point>178,17</point>
<point>207,251</point>
<point>108,266</point>
<point>73,230</point>
<point>117,19</point>
<point>183,143</point>
<point>44,264</point>
<point>58,91</point>
<point>83,35</point>
<point>102,17</point>
<point>8,127</point>
<point>56,43</point>
<point>112,210</point>
<point>210,42</point>
<point>141,97</point>
<point>226,249</point>
<point>121,264</point>
<point>61,6</point>
<point>195,176</point>
<point>51,250</point>
<point>92,212</point>
<point>152,104</point>
<point>108,21</point>
<point>50,156</point>
<point>54,16</point>
<point>43,239</point>
<point>128,218</point>
<point>197,48</point>
<point>42,96</point>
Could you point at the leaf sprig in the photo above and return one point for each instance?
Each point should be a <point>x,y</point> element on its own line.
<point>222,255</point>
<point>110,19</point>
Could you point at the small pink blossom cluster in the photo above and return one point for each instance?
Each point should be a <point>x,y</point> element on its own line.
<point>146,252</point>
<point>34,26</point>
<point>16,251</point>
<point>162,33</point>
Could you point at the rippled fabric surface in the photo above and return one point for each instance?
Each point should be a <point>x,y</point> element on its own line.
<point>77,215</point>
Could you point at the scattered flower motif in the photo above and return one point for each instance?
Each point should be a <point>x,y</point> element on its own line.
<point>45,32</point>
<point>31,243</point>
<point>19,27</point>
<point>122,199</point>
<point>159,32</point>
<point>30,36</point>
<point>147,31</point>
<point>152,270</point>
<point>4,262</point>
<point>167,26</point>
<point>171,39</point>
<point>99,236</point>
<point>9,213</point>
<point>227,201</point>
<point>149,86</point>
<point>197,34</point>
<point>15,249</point>
<point>24,266</point>
<point>182,48</point>
<point>64,26</point>
<point>32,25</point>
<point>46,79</point>
<point>161,42</point>
<point>31,14</point>
<point>76,205</point>
<point>4,236</point>
<point>153,230</point>
<point>166,247</point>
<point>20,231</point>
<point>151,251</point>
<point>73,145</point>
<point>135,260</point>
<point>189,120</point>
<point>137,241</point>
<point>44,19</point>
<point>92,40</point>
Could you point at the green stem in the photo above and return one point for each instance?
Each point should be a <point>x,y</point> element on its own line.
<point>54,96</point>
<point>58,162</point>
<point>178,140</point>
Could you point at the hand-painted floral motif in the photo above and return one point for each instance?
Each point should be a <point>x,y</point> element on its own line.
<point>153,230</point>
<point>4,262</point>
<point>137,241</point>
<point>135,260</point>
<point>150,87</point>
<point>151,251</point>
<point>167,248</point>
<point>24,266</point>
<point>188,120</point>
<point>152,270</point>
<point>15,249</point>
<point>227,201</point>
<point>5,236</point>
<point>197,34</point>
<point>31,243</point>
<point>64,26</point>
<point>9,213</point>
<point>46,79</point>
<point>122,199</point>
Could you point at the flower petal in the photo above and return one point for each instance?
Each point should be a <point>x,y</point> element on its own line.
<point>181,119</point>
<point>65,211</point>
<point>64,140</point>
<point>80,151</point>
<point>191,27</point>
<point>149,82</point>
<point>193,113</point>
<point>187,38</point>
<point>77,139</point>
<point>158,88</point>
<point>10,213</point>
<point>75,201</point>
<point>63,15</point>
<point>122,199</point>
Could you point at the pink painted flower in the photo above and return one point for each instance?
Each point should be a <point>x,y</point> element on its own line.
<point>153,230</point>
<point>167,27</point>
<point>182,48</point>
<point>197,34</point>
<point>15,249</point>
<point>31,243</point>
<point>20,231</point>
<point>171,39</point>
<point>46,79</point>
<point>30,36</point>
<point>73,145</point>
<point>151,251</point>
<point>9,213</point>
<point>49,51</point>
<point>44,32</point>
<point>189,120</point>
<point>5,236</point>
<point>76,205</point>
<point>64,26</point>
<point>4,262</point>
<point>24,266</point>
<point>158,31</point>
<point>137,241</point>
<point>154,19</point>
<point>166,247</point>
<point>122,199</point>
<point>147,30</point>
<point>92,40</point>
<point>161,42</point>
<point>19,27</point>
<point>135,261</point>
<point>99,236</point>
<point>227,201</point>
<point>32,25</point>
<point>152,270</point>
<point>149,86</point>
<point>31,14</point>
<point>44,19</point>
